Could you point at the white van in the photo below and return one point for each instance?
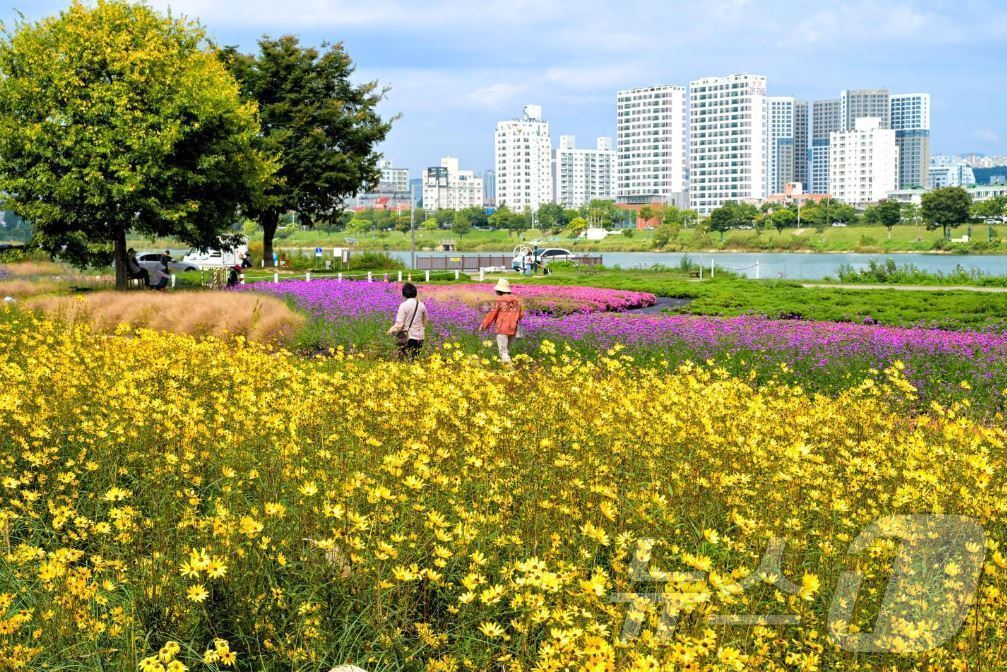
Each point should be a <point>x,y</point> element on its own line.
<point>216,258</point>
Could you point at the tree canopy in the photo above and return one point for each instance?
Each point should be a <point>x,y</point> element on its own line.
<point>887,212</point>
<point>732,214</point>
<point>946,208</point>
<point>322,128</point>
<point>114,117</point>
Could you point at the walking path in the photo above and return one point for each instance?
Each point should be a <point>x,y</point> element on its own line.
<point>908,288</point>
<point>663,302</point>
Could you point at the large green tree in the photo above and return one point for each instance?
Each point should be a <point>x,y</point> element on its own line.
<point>732,214</point>
<point>783,218</point>
<point>461,224</point>
<point>888,213</point>
<point>724,218</point>
<point>601,213</point>
<point>114,117</point>
<point>992,211</point>
<point>322,128</point>
<point>551,217</point>
<point>946,208</point>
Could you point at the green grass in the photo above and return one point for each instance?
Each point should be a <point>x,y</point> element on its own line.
<point>861,238</point>
<point>866,238</point>
<point>784,299</point>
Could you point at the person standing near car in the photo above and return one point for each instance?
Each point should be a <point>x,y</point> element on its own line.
<point>505,316</point>
<point>410,326</point>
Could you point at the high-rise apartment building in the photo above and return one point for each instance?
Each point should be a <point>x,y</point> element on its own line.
<point>392,178</point>
<point>826,119</point>
<point>524,161</point>
<point>727,132</point>
<point>947,173</point>
<point>863,163</point>
<point>910,118</point>
<point>781,143</point>
<point>582,175</point>
<point>446,187</point>
<point>652,146</point>
<point>831,116</point>
<point>416,190</point>
<point>490,187</point>
<point>862,103</point>
<point>801,158</point>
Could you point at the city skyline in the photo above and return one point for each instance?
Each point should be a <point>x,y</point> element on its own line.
<point>455,70</point>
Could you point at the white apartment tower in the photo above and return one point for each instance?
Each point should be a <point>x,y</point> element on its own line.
<point>910,118</point>
<point>652,145</point>
<point>863,163</point>
<point>727,131</point>
<point>445,187</point>
<point>392,178</point>
<point>582,175</point>
<point>781,150</point>
<point>523,161</point>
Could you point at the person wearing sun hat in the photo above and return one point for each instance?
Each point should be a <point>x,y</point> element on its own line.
<point>505,315</point>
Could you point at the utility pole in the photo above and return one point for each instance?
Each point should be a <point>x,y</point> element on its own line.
<point>412,227</point>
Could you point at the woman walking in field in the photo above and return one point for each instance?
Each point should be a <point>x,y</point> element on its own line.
<point>410,326</point>
<point>505,315</point>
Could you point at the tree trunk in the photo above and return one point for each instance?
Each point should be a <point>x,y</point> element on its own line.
<point>269,222</point>
<point>119,255</point>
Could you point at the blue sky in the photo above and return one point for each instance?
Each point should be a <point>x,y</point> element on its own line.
<point>456,67</point>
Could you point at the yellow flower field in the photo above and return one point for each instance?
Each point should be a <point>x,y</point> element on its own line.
<point>170,503</point>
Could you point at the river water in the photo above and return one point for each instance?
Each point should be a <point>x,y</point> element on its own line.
<point>792,265</point>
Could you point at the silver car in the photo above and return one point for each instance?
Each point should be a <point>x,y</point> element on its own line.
<point>152,260</point>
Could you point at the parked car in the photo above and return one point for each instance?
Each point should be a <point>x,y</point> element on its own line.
<point>838,224</point>
<point>544,256</point>
<point>215,258</point>
<point>152,260</point>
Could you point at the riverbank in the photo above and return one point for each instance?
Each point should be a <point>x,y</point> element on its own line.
<point>868,239</point>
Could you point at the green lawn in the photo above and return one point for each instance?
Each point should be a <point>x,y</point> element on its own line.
<point>865,238</point>
<point>833,239</point>
<point>784,299</point>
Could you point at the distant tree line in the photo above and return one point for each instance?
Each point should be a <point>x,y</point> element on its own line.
<point>116,119</point>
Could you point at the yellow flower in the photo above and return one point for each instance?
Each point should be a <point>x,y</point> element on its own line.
<point>216,568</point>
<point>491,630</point>
<point>809,586</point>
<point>197,593</point>
<point>168,651</point>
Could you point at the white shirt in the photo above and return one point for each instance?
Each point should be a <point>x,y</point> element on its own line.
<point>417,332</point>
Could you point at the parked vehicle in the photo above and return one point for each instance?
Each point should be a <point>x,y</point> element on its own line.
<point>542,256</point>
<point>216,258</point>
<point>152,260</point>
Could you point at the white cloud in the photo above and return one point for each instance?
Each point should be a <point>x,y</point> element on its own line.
<point>456,65</point>
<point>987,135</point>
<point>495,96</point>
<point>588,77</point>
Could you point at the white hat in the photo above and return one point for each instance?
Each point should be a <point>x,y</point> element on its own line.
<point>503,285</point>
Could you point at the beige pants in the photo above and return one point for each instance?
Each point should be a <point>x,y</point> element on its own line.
<point>503,346</point>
